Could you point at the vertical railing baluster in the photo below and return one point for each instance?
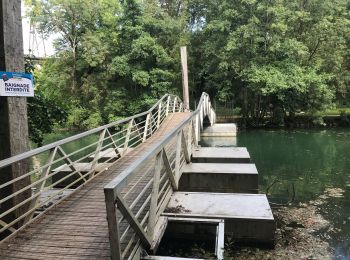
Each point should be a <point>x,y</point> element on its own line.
<point>180,108</point>
<point>97,152</point>
<point>154,197</point>
<point>145,131</point>
<point>174,105</point>
<point>167,106</point>
<point>178,157</point>
<point>196,132</point>
<point>159,112</point>
<point>189,138</point>
<point>127,137</point>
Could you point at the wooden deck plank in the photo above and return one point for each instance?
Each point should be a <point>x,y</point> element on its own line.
<point>76,228</point>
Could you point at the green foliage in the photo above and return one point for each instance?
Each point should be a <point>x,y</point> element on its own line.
<point>113,59</point>
<point>42,117</point>
<point>273,57</point>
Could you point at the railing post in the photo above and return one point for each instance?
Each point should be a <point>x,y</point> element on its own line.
<point>169,171</point>
<point>178,156</point>
<point>113,226</point>
<point>189,139</point>
<point>159,112</point>
<point>146,127</point>
<point>181,107</point>
<point>184,147</point>
<point>196,130</point>
<point>41,185</point>
<point>127,137</point>
<point>154,197</point>
<point>174,105</point>
<point>97,151</point>
<point>167,106</point>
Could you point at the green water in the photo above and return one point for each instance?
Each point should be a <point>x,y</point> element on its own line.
<point>311,161</point>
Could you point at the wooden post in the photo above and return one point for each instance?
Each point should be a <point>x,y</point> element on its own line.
<point>185,78</point>
<point>13,110</point>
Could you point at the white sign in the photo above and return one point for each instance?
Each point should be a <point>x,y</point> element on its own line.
<point>13,84</point>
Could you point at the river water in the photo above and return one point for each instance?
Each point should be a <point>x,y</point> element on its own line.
<point>314,162</point>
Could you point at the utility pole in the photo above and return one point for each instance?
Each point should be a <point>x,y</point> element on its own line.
<point>185,90</point>
<point>13,110</point>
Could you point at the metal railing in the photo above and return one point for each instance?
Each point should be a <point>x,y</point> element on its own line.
<point>136,199</point>
<point>60,167</point>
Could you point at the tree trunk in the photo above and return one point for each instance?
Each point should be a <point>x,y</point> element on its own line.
<point>13,110</point>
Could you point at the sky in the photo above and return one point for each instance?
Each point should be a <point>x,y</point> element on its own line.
<point>41,47</point>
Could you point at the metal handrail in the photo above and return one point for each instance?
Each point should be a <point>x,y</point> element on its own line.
<point>164,174</point>
<point>36,151</point>
<point>114,138</point>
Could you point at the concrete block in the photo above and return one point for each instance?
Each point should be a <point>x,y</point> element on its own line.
<point>248,217</point>
<point>220,130</point>
<point>219,177</point>
<point>220,155</point>
<point>218,141</point>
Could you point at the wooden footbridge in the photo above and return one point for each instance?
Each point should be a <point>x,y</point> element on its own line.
<point>110,197</point>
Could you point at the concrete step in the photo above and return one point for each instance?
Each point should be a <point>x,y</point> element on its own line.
<point>220,155</point>
<point>223,130</point>
<point>219,177</point>
<point>248,217</point>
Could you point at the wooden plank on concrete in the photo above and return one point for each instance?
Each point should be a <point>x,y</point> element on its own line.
<point>248,217</point>
<point>220,155</point>
<point>219,177</point>
<point>220,130</point>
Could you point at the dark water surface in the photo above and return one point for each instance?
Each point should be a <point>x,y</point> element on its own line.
<point>313,161</point>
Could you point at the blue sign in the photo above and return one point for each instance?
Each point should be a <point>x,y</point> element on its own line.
<point>13,84</point>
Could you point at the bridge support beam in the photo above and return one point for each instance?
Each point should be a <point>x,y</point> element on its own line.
<point>13,110</point>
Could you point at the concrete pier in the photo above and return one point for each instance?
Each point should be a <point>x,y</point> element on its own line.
<point>222,130</point>
<point>220,155</point>
<point>219,177</point>
<point>247,217</point>
<point>218,141</point>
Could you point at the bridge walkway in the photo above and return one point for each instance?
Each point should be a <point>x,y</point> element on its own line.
<point>76,228</point>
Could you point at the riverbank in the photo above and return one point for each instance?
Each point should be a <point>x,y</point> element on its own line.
<point>296,237</point>
<point>302,233</point>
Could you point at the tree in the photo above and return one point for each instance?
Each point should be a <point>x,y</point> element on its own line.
<point>273,56</point>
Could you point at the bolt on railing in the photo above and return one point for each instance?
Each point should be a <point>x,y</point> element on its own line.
<point>63,168</point>
<point>136,199</point>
